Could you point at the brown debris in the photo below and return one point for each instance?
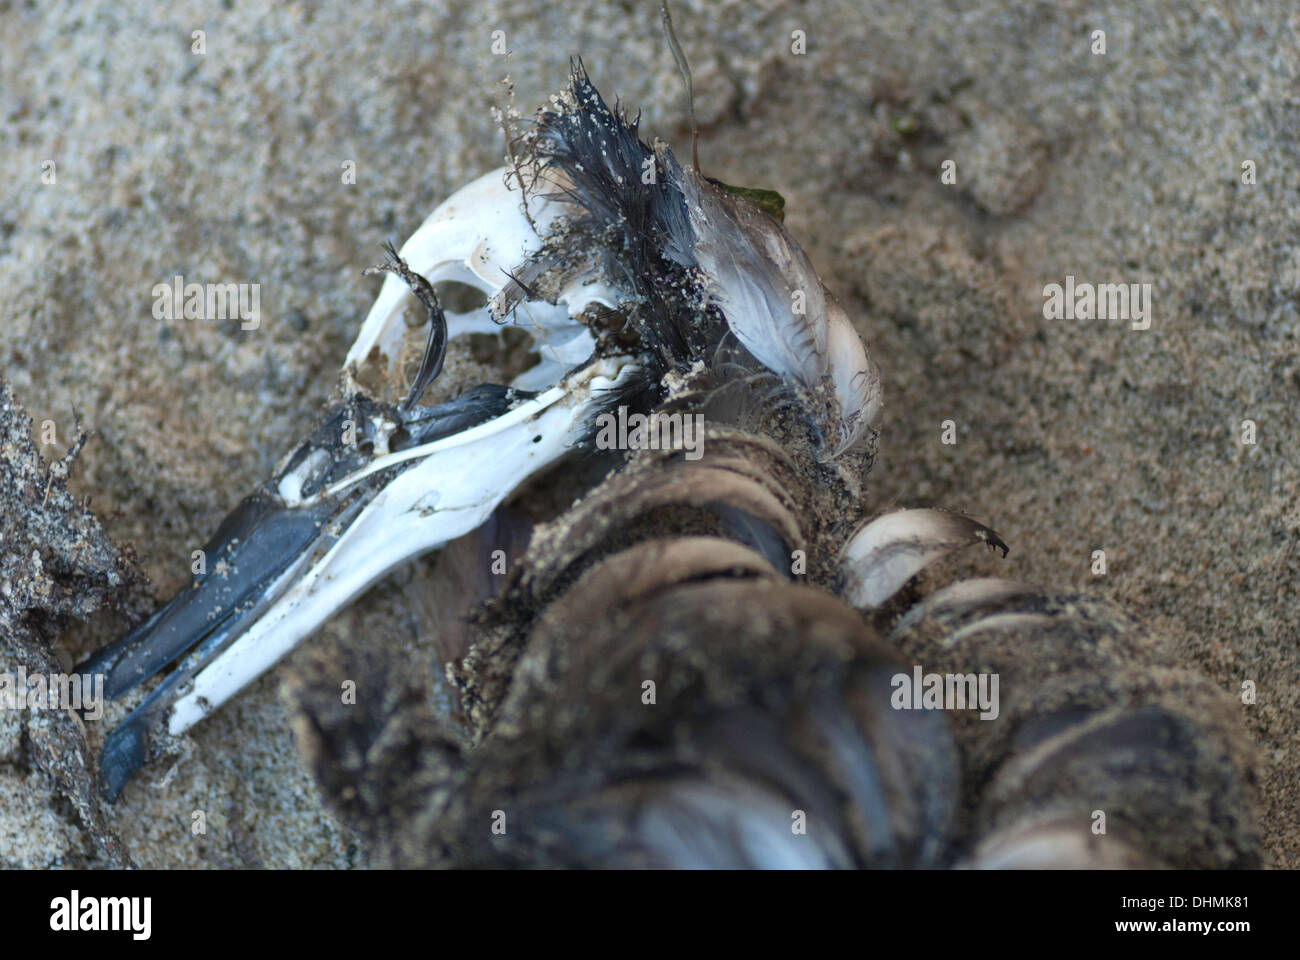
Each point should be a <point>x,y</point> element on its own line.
<point>56,565</point>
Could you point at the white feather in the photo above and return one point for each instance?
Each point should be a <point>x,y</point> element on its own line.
<point>761,279</point>
<point>855,377</point>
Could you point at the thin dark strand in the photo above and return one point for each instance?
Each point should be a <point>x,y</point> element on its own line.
<point>529,292</point>
<point>684,69</point>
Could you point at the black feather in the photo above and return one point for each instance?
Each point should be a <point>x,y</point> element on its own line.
<point>644,227</point>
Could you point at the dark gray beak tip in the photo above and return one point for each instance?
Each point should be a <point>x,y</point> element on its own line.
<point>124,752</point>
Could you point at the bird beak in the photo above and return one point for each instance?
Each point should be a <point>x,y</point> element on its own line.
<point>375,485</point>
<point>276,569</point>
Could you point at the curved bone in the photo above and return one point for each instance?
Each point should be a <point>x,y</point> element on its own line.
<point>887,552</point>
<point>962,596</point>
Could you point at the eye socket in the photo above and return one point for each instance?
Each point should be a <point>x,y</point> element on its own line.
<point>511,351</point>
<point>457,297</point>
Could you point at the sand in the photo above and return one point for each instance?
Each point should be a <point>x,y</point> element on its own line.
<point>1073,435</point>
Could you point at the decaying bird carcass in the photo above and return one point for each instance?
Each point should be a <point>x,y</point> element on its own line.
<point>699,662</point>
<point>658,687</point>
